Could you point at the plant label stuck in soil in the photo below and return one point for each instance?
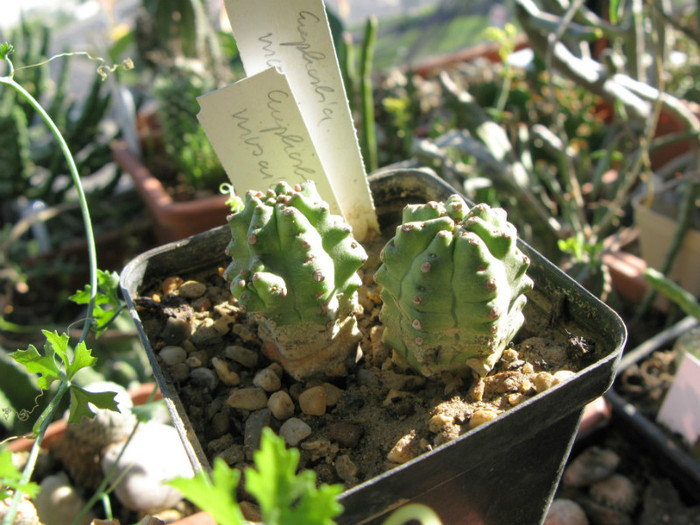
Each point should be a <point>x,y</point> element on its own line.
<point>259,136</point>
<point>679,411</point>
<point>295,38</point>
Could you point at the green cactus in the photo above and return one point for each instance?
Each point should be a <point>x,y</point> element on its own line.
<point>453,284</point>
<point>185,141</point>
<point>294,266</point>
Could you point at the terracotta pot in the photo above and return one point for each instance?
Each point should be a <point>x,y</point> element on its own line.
<point>174,220</point>
<point>505,471</point>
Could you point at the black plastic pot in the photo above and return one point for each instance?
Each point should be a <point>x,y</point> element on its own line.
<point>672,459</point>
<point>502,472</point>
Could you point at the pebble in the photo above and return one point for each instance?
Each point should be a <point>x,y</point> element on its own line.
<point>312,401</point>
<point>294,431</point>
<point>249,398</point>
<point>226,375</point>
<point>543,381</point>
<point>205,335</point>
<point>202,305</point>
<point>333,394</point>
<point>179,373</point>
<point>204,377</point>
<point>346,434</point>
<point>403,450</point>
<point>170,284</point>
<point>232,455</point>
<point>439,422</point>
<point>481,416</point>
<point>220,423</point>
<point>58,502</point>
<point>154,455</point>
<point>319,448</point>
<point>281,405</point>
<point>346,469</point>
<point>564,511</point>
<point>563,375</point>
<point>192,289</point>
<point>591,465</point>
<point>616,492</point>
<point>254,425</point>
<point>241,355</point>
<point>220,444</point>
<point>268,380</point>
<point>172,355</point>
<point>193,361</point>
<point>175,331</point>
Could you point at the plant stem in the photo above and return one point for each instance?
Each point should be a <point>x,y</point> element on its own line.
<point>87,222</point>
<point>50,411</point>
<point>45,419</point>
<point>369,140</point>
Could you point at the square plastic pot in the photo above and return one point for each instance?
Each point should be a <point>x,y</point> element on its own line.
<point>502,472</point>
<point>671,458</point>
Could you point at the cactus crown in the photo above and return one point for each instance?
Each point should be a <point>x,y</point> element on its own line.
<point>292,260</point>
<point>453,284</point>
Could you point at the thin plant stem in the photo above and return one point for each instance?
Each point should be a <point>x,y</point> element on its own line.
<point>44,421</point>
<point>48,414</point>
<point>87,221</point>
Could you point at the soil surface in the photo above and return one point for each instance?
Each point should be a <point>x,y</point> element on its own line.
<point>348,429</point>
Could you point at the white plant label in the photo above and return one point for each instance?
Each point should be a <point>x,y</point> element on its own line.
<point>680,410</point>
<point>294,37</point>
<point>257,131</point>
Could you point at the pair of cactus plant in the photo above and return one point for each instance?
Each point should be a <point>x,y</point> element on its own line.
<point>453,282</point>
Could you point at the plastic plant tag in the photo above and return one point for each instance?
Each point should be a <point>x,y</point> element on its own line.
<point>294,36</point>
<point>260,137</point>
<point>680,410</point>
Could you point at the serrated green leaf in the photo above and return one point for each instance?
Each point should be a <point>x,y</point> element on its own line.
<point>58,344</point>
<point>273,483</point>
<point>286,498</point>
<point>216,495</point>
<point>317,506</point>
<point>83,358</point>
<point>107,295</point>
<point>79,399</point>
<point>35,363</point>
<point>10,477</point>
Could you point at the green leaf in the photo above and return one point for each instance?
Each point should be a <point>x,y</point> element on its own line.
<point>215,495</point>
<point>107,302</point>
<point>80,399</point>
<point>83,358</point>
<point>286,498</point>
<point>10,477</point>
<point>614,10</point>
<point>317,506</point>
<point>35,363</point>
<point>6,49</point>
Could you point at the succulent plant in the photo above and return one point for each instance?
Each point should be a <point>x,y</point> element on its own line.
<point>453,286</point>
<point>294,267</point>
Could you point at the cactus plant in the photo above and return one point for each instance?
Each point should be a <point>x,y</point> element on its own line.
<point>294,266</point>
<point>185,141</point>
<point>453,286</point>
